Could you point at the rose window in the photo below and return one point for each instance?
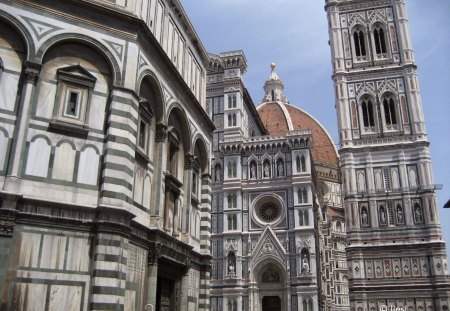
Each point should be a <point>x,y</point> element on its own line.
<point>269,212</point>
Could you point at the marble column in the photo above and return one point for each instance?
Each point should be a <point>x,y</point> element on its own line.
<point>31,75</point>
<point>154,253</point>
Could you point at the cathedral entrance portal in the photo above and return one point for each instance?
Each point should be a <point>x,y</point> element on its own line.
<point>271,303</point>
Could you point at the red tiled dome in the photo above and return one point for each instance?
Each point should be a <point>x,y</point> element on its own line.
<point>279,118</point>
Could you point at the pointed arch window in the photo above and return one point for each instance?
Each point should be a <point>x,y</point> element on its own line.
<point>302,195</point>
<point>232,169</point>
<point>300,163</point>
<point>232,222</point>
<point>232,305</point>
<point>380,41</point>
<point>368,113</point>
<point>360,43</point>
<point>390,116</point>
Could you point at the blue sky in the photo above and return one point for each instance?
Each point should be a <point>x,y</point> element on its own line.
<point>294,35</point>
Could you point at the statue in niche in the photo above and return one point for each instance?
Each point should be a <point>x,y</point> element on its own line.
<point>418,213</point>
<point>231,268</point>
<point>270,275</point>
<point>253,170</point>
<point>382,215</point>
<point>218,173</point>
<point>399,215</point>
<point>231,264</point>
<point>266,170</point>
<point>305,260</point>
<point>280,168</point>
<point>305,265</point>
<point>364,217</point>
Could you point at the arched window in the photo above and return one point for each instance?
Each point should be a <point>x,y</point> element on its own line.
<point>390,116</point>
<point>354,115</point>
<point>234,105</point>
<point>234,120</point>
<point>232,305</point>
<point>302,195</point>
<point>380,41</point>
<point>300,163</point>
<point>273,95</point>
<point>300,218</point>
<point>232,169</point>
<point>305,305</point>
<point>310,305</point>
<point>368,115</point>
<point>230,120</point>
<point>232,222</point>
<point>338,226</point>
<point>360,44</point>
<point>303,163</point>
<point>306,216</point>
<point>230,101</point>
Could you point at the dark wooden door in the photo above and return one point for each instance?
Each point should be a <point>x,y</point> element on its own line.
<point>271,303</point>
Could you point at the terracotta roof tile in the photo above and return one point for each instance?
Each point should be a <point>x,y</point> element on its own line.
<point>274,119</point>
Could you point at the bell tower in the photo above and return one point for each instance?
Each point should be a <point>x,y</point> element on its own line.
<point>395,252</point>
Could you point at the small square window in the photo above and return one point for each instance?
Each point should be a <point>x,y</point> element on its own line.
<point>72,104</point>
<point>143,143</point>
<point>75,85</point>
<point>143,134</point>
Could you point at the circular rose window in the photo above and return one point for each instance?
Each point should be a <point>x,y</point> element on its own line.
<point>269,212</point>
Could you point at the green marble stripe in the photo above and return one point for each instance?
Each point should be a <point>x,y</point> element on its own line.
<point>118,182</point>
<point>124,114</point>
<point>121,140</point>
<point>124,100</point>
<point>116,195</point>
<point>120,168</point>
<point>7,121</point>
<point>109,274</point>
<point>106,306</point>
<point>123,127</point>
<point>110,258</point>
<point>105,290</point>
<point>60,182</point>
<point>120,153</point>
<point>109,242</point>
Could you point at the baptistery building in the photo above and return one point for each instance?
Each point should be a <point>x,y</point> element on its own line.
<point>137,173</point>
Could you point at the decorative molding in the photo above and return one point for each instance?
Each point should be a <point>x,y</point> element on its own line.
<point>7,227</point>
<point>160,133</point>
<point>154,253</point>
<point>40,29</point>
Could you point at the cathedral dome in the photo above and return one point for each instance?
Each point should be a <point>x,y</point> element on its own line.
<point>279,117</point>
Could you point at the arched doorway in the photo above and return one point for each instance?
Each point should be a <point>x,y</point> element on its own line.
<point>271,303</point>
<point>272,293</point>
